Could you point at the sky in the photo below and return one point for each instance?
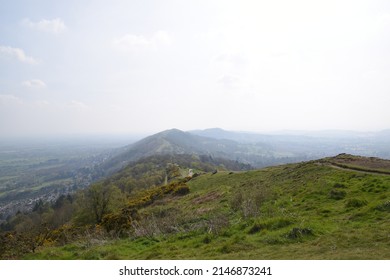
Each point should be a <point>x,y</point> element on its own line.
<point>119,67</point>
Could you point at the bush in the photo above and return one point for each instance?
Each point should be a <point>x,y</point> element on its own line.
<point>271,224</point>
<point>120,222</point>
<point>147,197</point>
<point>385,206</point>
<point>296,233</point>
<point>280,223</point>
<point>337,194</point>
<point>207,239</point>
<point>236,201</point>
<point>249,200</point>
<point>226,249</point>
<point>181,190</point>
<point>339,186</point>
<point>217,223</point>
<point>256,228</point>
<point>356,203</point>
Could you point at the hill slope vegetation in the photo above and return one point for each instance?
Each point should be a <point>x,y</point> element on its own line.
<point>309,210</point>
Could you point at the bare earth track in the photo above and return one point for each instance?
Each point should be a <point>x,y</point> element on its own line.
<point>358,163</point>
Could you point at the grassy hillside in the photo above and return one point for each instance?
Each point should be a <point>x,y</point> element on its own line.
<point>159,169</point>
<point>310,210</point>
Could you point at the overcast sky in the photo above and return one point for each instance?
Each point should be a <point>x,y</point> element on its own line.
<point>74,67</point>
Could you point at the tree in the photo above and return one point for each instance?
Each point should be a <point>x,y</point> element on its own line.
<point>29,231</point>
<point>97,201</point>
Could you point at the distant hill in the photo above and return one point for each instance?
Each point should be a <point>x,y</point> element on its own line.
<point>309,145</point>
<point>169,142</point>
<point>258,150</point>
<point>218,133</point>
<point>223,145</point>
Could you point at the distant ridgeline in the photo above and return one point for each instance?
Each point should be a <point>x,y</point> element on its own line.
<point>258,150</point>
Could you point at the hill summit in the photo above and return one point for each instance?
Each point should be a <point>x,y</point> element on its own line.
<point>172,142</point>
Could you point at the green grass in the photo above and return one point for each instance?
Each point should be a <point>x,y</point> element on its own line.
<point>286,212</point>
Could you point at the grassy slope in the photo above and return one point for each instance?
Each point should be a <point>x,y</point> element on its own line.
<point>301,216</point>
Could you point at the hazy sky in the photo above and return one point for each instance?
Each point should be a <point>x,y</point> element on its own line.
<point>145,66</point>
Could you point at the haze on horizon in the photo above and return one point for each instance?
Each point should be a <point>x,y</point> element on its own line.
<point>119,67</point>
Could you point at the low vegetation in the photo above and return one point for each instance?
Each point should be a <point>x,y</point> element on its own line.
<point>310,210</point>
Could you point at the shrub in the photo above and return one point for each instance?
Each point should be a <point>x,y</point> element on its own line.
<point>207,239</point>
<point>181,190</point>
<point>226,249</point>
<point>236,201</point>
<point>271,224</point>
<point>121,221</point>
<point>249,200</point>
<point>385,206</point>
<point>147,197</point>
<point>337,194</point>
<point>256,228</point>
<point>356,203</point>
<point>280,223</point>
<point>339,186</point>
<point>296,233</point>
<point>217,223</point>
<point>250,208</point>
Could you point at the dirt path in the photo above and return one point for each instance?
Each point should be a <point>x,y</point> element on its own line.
<point>342,167</point>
